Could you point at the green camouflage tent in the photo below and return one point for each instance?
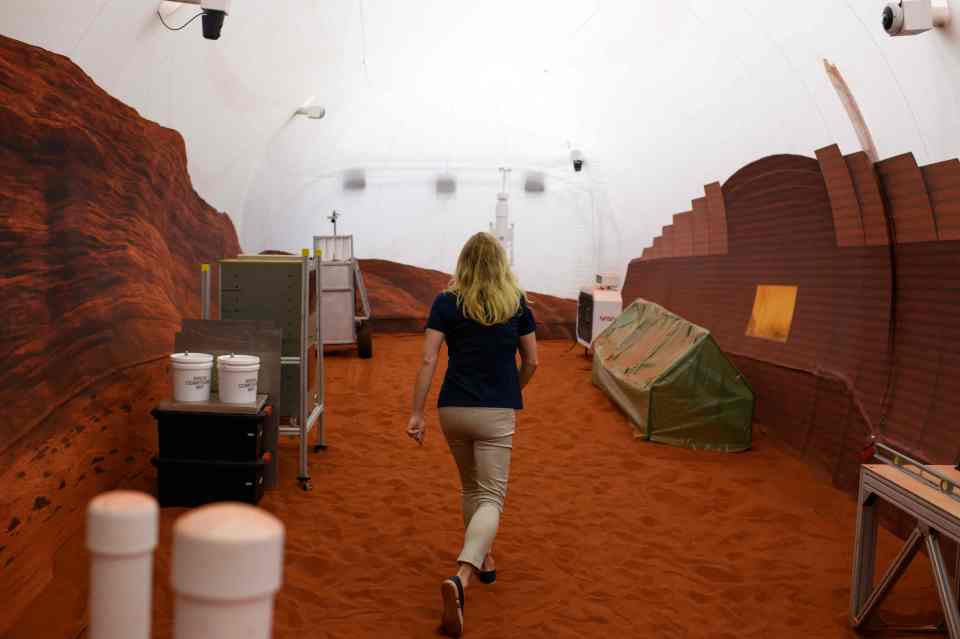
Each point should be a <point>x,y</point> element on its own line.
<point>673,381</point>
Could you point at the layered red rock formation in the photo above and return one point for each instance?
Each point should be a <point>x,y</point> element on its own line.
<point>401,296</point>
<point>101,235</point>
<point>877,323</point>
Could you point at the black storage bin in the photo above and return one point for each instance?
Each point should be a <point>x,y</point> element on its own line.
<point>187,482</point>
<point>209,436</point>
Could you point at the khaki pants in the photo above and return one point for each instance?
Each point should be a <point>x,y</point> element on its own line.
<point>481,440</point>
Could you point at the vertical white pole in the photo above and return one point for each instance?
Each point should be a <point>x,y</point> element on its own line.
<point>227,569</point>
<point>121,537</point>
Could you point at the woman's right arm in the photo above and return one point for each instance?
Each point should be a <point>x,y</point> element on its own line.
<point>528,358</point>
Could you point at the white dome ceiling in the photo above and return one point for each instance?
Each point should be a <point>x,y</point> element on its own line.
<point>662,97</point>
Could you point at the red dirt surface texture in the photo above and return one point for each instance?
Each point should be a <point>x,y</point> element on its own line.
<point>101,235</point>
<point>602,535</point>
<point>876,330</point>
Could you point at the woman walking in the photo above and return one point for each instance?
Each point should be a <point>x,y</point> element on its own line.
<point>485,320</point>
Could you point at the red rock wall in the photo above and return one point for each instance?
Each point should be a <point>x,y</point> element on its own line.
<point>401,296</point>
<point>101,235</point>
<point>877,324</point>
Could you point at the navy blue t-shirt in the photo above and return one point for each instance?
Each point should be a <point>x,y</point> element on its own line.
<point>482,370</point>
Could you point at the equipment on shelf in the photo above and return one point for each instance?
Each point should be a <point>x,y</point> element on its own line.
<point>285,289</point>
<point>597,306</point>
<point>341,284</point>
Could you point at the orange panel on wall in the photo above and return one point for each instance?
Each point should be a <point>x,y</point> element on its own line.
<point>772,315</point>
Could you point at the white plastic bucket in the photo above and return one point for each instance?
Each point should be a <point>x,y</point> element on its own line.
<point>191,376</point>
<point>238,376</point>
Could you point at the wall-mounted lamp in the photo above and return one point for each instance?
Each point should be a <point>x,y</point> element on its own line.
<point>315,112</point>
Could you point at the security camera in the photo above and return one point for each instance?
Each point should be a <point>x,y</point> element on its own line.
<point>910,17</point>
<point>576,157</point>
<point>213,13</point>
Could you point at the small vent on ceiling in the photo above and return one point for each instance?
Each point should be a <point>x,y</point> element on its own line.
<point>535,182</point>
<point>354,180</point>
<point>446,185</point>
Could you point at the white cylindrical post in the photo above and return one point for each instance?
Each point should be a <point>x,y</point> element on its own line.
<point>227,568</point>
<point>121,537</point>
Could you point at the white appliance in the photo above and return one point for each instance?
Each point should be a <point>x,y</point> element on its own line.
<point>597,306</point>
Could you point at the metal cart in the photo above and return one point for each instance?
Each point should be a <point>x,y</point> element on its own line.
<point>931,495</point>
<point>341,283</point>
<point>279,288</point>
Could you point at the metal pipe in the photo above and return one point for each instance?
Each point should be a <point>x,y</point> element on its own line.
<point>121,537</point>
<point>321,382</point>
<point>302,420</point>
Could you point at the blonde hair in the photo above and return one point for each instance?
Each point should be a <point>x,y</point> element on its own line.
<point>487,290</point>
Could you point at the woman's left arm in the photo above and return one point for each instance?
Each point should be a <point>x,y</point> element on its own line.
<point>421,387</point>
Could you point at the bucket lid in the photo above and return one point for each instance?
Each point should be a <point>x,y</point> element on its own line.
<point>238,360</point>
<point>194,358</point>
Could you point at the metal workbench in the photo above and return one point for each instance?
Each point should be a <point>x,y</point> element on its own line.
<point>928,493</point>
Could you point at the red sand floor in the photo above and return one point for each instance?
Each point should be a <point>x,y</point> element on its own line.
<point>603,535</point>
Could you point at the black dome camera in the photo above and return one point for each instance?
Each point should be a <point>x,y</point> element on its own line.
<point>213,13</point>
<point>213,23</point>
<point>887,18</point>
<point>576,157</point>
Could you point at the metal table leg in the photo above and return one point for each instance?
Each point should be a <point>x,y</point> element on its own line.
<point>896,570</point>
<point>864,552</point>
<point>942,578</point>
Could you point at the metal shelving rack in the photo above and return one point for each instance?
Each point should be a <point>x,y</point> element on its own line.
<point>265,287</point>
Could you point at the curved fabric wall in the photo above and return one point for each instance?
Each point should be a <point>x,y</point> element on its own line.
<point>416,88</point>
<point>876,324</point>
